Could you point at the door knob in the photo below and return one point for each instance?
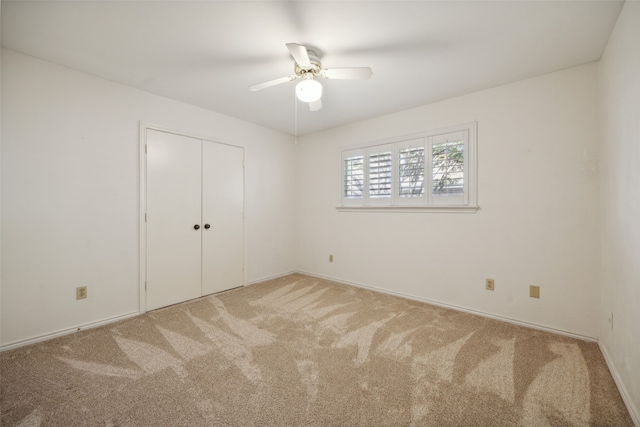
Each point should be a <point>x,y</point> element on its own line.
<point>197,226</point>
<point>207,226</point>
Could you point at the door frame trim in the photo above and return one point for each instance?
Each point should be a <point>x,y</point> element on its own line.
<point>142,207</point>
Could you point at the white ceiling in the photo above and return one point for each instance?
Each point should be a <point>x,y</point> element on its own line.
<point>207,53</point>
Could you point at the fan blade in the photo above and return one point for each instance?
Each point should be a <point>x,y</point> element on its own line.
<point>315,105</point>
<point>274,82</point>
<point>358,73</point>
<point>300,54</point>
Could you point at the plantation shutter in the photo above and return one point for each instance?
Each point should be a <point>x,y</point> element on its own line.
<point>353,177</point>
<point>436,169</point>
<point>449,171</point>
<point>380,168</point>
<point>411,172</point>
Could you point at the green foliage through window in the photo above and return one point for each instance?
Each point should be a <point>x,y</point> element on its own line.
<point>448,168</point>
<point>411,172</point>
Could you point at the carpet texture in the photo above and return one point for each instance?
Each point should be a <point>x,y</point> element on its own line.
<point>298,351</point>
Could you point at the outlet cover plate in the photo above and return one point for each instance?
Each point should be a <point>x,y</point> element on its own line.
<point>490,285</point>
<point>534,291</point>
<point>81,292</point>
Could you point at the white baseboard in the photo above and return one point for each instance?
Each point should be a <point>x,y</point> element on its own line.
<point>276,276</point>
<point>456,307</point>
<point>633,411</point>
<point>68,331</point>
<point>56,334</point>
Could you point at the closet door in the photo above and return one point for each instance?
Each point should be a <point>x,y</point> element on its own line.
<point>222,216</point>
<point>174,209</point>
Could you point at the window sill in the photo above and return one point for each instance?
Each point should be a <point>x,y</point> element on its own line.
<point>409,209</point>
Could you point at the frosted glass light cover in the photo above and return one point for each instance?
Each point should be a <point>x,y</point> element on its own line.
<point>309,90</point>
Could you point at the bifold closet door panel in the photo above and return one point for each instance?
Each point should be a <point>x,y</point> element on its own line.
<point>174,208</point>
<point>222,211</point>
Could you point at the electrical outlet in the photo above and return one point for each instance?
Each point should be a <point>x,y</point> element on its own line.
<point>489,284</point>
<point>330,258</point>
<point>81,292</point>
<point>534,291</point>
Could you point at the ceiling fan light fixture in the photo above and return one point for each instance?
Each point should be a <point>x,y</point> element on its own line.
<point>309,90</point>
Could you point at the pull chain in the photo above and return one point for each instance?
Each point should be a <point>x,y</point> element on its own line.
<point>295,114</point>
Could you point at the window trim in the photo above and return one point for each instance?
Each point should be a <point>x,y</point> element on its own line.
<point>425,203</point>
<point>409,209</point>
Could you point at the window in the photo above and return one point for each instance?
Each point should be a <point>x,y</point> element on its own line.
<point>411,172</point>
<point>380,175</point>
<point>434,170</point>
<point>353,174</point>
<point>448,168</point>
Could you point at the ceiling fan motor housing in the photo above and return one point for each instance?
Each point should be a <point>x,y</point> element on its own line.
<point>314,68</point>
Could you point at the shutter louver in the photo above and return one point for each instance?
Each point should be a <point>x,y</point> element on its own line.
<point>353,177</point>
<point>380,175</point>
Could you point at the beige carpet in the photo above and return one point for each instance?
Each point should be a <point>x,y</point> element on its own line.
<point>300,351</point>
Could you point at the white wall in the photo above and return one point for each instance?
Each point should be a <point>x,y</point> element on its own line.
<point>538,192</point>
<point>620,204</point>
<point>70,198</point>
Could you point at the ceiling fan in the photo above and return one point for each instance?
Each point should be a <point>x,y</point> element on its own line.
<point>308,69</point>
